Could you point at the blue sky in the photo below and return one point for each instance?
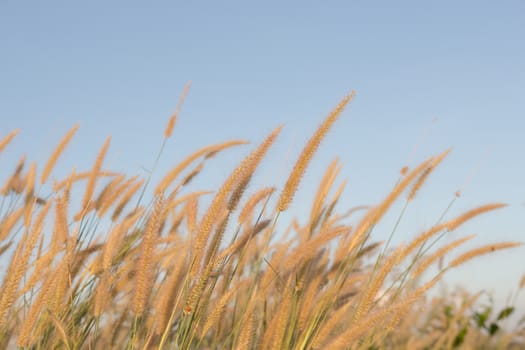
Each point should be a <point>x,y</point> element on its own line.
<point>427,76</point>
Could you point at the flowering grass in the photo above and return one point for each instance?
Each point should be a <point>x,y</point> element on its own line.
<point>176,271</point>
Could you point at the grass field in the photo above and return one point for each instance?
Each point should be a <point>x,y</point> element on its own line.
<point>185,268</point>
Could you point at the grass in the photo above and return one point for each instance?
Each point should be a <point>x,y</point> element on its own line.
<point>179,272</point>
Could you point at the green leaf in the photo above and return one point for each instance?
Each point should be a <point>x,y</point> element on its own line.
<point>506,312</point>
<point>448,311</point>
<point>493,328</point>
<point>481,318</point>
<point>460,337</point>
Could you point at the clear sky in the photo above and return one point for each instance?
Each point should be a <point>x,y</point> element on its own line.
<point>427,76</point>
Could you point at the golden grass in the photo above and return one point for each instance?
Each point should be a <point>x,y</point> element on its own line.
<point>422,178</point>
<point>171,122</point>
<point>56,153</point>
<point>176,271</point>
<point>144,271</point>
<point>206,151</point>
<point>307,154</point>
<point>482,251</point>
<point>7,139</point>
<point>90,187</point>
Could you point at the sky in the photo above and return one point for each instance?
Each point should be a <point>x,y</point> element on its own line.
<point>427,76</point>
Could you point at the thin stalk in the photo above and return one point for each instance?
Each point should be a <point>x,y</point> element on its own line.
<point>421,251</point>
<point>148,180</point>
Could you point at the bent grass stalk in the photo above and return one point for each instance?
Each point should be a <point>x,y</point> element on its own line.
<point>56,154</point>
<point>7,139</point>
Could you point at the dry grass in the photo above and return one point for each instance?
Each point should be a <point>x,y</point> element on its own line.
<point>157,275</point>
